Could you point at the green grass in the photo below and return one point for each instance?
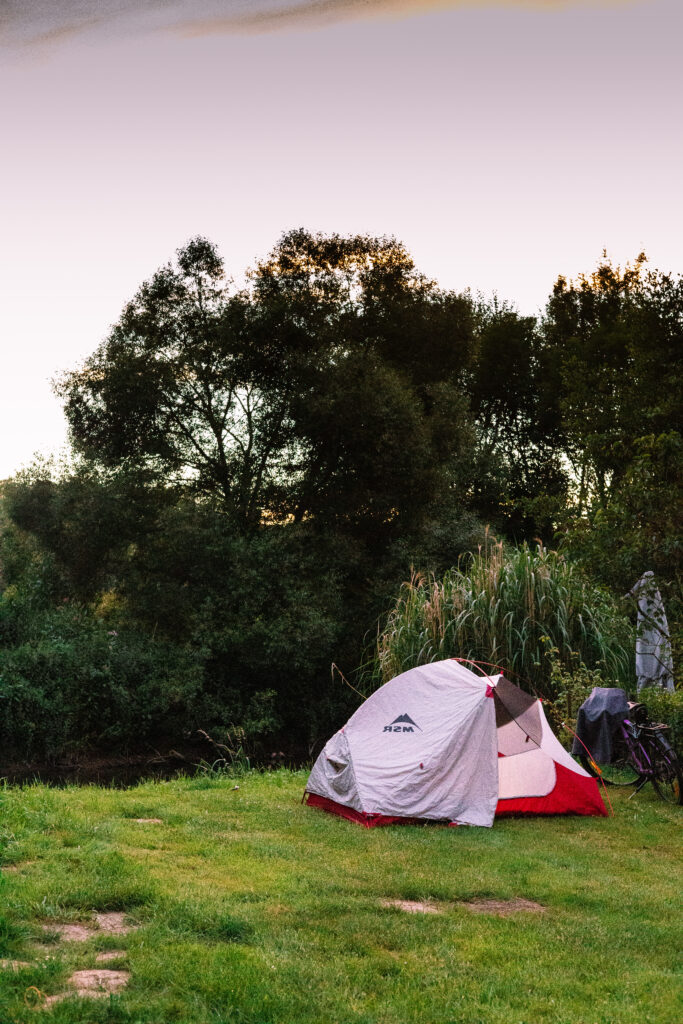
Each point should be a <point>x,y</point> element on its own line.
<point>254,909</point>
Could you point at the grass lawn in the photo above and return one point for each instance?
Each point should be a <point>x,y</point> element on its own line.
<point>252,908</point>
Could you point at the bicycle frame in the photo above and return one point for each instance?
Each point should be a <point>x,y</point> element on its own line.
<point>639,755</point>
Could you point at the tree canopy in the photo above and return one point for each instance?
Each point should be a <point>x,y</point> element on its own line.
<point>326,388</point>
<point>257,469</point>
<point>619,337</point>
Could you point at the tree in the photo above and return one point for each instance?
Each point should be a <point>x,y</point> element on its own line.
<point>519,481</point>
<point>327,389</point>
<point>619,336</point>
<point>85,518</point>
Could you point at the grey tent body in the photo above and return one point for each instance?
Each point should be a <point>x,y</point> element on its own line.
<point>441,743</point>
<point>654,661</point>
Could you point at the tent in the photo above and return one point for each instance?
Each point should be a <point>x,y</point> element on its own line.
<point>439,743</point>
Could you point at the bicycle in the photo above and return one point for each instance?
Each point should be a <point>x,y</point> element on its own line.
<point>641,754</point>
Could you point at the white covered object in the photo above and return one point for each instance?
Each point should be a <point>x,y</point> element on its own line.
<point>422,746</point>
<point>654,662</point>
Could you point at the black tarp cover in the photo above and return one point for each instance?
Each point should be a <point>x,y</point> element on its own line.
<point>597,721</point>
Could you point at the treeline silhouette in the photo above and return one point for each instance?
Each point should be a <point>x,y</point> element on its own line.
<point>255,471</point>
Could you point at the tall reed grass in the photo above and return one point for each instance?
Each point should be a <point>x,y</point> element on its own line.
<point>507,607</point>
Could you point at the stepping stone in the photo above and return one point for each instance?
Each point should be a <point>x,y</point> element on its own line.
<point>412,906</point>
<point>70,932</point>
<point>503,908</point>
<point>93,984</point>
<point>148,821</point>
<point>14,965</point>
<point>99,981</point>
<point>110,954</point>
<point>14,869</point>
<point>114,923</point>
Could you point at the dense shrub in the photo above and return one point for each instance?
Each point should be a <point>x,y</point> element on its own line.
<point>506,607</point>
<point>76,684</point>
<point>202,626</point>
<point>667,707</point>
<point>570,685</point>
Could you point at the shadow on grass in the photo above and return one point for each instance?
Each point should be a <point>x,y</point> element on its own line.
<point>101,880</point>
<point>201,919</point>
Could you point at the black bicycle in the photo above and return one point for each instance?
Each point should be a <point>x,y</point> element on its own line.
<point>641,753</point>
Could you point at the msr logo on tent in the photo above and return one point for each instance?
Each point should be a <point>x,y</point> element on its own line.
<point>403,723</point>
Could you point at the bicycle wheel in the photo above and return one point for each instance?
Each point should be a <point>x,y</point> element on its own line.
<point>667,777</point>
<point>620,771</point>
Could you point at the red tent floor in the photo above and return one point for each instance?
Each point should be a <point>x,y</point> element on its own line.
<point>572,794</point>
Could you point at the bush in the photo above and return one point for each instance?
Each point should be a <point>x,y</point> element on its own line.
<point>205,629</point>
<point>506,607</point>
<point>75,684</point>
<point>664,706</point>
<point>570,686</point>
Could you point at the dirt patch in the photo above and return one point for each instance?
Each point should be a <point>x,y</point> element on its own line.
<point>114,923</point>
<point>92,985</point>
<point>69,932</point>
<point>109,955</point>
<point>148,821</point>
<point>412,906</point>
<point>99,981</point>
<point>503,908</point>
<point>13,869</point>
<point>14,965</point>
<point>276,909</point>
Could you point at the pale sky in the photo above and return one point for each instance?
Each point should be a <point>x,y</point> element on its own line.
<point>504,143</point>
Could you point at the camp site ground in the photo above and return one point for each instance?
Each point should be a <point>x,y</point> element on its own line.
<point>245,906</point>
